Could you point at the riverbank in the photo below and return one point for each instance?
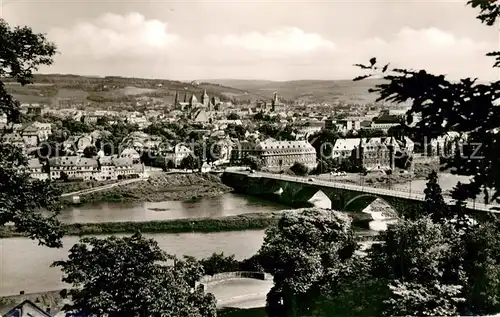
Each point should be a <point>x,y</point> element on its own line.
<point>255,221</point>
<point>158,188</point>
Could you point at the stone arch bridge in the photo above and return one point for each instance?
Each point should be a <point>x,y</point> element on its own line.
<point>296,190</point>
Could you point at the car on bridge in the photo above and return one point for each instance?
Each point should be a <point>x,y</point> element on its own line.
<point>311,179</point>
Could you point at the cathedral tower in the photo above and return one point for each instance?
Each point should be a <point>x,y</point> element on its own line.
<point>205,100</point>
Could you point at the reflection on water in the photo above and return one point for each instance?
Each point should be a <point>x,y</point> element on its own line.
<point>220,206</point>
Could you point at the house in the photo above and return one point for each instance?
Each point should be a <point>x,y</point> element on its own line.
<point>131,153</point>
<point>27,309</point>
<point>36,171</point>
<point>44,130</point>
<point>107,168</point>
<point>175,155</point>
<point>73,167</point>
<point>30,135</point>
<point>205,168</point>
<point>124,167</point>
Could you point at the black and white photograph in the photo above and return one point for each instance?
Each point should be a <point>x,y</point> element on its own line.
<point>249,158</point>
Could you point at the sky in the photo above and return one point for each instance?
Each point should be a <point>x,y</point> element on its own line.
<point>271,40</point>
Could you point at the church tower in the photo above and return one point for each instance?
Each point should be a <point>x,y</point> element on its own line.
<point>275,101</point>
<point>205,100</point>
<point>192,101</point>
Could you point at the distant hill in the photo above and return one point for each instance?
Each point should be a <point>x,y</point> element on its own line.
<point>51,88</point>
<point>307,90</point>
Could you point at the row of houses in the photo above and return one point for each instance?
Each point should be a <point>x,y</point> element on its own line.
<point>81,168</point>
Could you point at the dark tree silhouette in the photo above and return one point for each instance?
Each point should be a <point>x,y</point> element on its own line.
<point>21,199</point>
<point>299,169</point>
<point>466,106</point>
<point>131,277</point>
<point>90,151</point>
<point>434,204</point>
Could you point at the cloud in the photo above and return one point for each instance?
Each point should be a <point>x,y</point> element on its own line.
<point>432,49</point>
<point>132,45</point>
<point>112,35</point>
<point>287,40</point>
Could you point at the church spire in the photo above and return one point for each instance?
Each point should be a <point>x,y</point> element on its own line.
<point>204,98</point>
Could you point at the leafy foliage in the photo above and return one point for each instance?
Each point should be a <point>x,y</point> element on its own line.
<point>20,198</point>
<point>304,250</point>
<point>218,263</point>
<point>434,204</point>
<point>189,162</point>
<point>420,261</point>
<point>299,169</point>
<point>131,277</point>
<point>253,162</point>
<point>415,299</point>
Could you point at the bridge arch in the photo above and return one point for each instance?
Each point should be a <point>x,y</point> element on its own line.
<point>363,196</point>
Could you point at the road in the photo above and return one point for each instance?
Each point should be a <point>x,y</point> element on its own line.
<point>364,189</point>
<point>104,187</point>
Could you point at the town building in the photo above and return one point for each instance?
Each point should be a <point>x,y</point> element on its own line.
<point>132,154</point>
<point>383,126</point>
<point>375,154</point>
<point>343,125</point>
<point>284,154</point>
<point>372,153</point>
<point>276,154</point>
<point>203,111</point>
<point>36,170</point>
<point>44,130</point>
<point>175,155</point>
<point>74,167</point>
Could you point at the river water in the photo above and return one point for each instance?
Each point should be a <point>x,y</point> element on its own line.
<point>219,206</point>
<point>26,266</point>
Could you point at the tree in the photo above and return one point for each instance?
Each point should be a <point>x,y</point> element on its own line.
<point>465,106</point>
<point>233,116</point>
<point>253,162</point>
<point>131,277</point>
<point>304,250</point>
<point>189,162</point>
<point>434,204</point>
<point>90,151</point>
<point>219,263</point>
<point>419,260</point>
<point>22,199</point>
<point>299,169</point>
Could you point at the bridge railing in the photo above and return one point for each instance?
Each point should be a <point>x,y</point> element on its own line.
<point>395,192</point>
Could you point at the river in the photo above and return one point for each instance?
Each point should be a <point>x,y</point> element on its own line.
<point>26,266</point>
<point>225,205</point>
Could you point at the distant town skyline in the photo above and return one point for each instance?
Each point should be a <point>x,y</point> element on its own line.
<point>266,40</point>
